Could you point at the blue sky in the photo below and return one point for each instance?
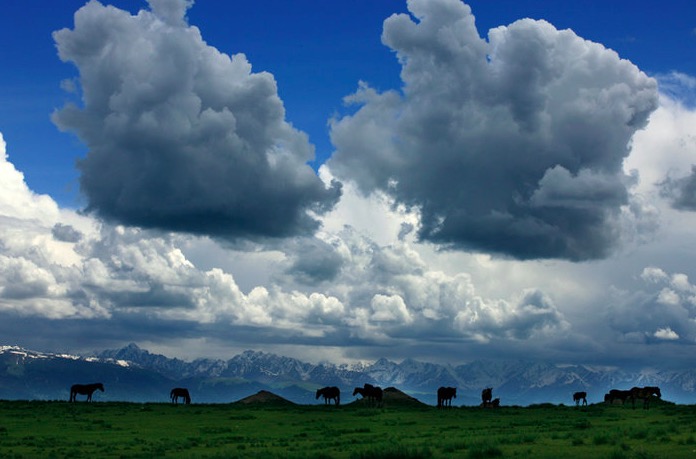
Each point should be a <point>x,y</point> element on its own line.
<point>317,51</point>
<point>527,193</point>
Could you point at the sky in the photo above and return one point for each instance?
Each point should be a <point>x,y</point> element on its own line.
<point>436,180</point>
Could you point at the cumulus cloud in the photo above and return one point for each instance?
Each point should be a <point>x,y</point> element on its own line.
<point>512,145</point>
<point>131,280</point>
<point>681,192</point>
<point>663,307</point>
<point>183,137</point>
<point>666,334</point>
<point>65,233</point>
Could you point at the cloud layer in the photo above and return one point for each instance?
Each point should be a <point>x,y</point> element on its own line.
<point>182,137</point>
<point>512,145</point>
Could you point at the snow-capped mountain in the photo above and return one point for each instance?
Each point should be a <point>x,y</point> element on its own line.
<point>132,373</point>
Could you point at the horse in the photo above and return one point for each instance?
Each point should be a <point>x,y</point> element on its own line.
<point>495,403</point>
<point>84,389</point>
<point>180,392</point>
<point>373,394</point>
<point>444,396</point>
<point>644,393</point>
<point>616,394</point>
<point>330,393</point>
<point>486,396</point>
<point>578,396</point>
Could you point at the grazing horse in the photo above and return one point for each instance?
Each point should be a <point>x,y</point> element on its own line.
<point>616,394</point>
<point>486,396</point>
<point>330,393</point>
<point>444,396</point>
<point>372,393</point>
<point>84,389</point>
<point>578,396</point>
<point>180,392</point>
<point>644,393</point>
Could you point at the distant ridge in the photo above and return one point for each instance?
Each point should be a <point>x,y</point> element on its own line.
<point>134,374</point>
<point>264,397</point>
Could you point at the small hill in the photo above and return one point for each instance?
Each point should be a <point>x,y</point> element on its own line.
<point>263,397</point>
<point>394,397</point>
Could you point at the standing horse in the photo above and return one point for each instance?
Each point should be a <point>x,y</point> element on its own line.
<point>180,392</point>
<point>644,393</point>
<point>330,393</point>
<point>444,396</point>
<point>616,394</point>
<point>84,389</point>
<point>372,393</point>
<point>578,396</point>
<point>486,396</point>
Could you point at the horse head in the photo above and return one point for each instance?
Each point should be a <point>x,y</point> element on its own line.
<point>100,386</point>
<point>319,391</point>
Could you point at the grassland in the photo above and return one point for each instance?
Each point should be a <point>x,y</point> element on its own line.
<point>33,429</point>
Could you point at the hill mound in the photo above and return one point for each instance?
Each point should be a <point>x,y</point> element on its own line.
<point>263,397</point>
<point>394,397</point>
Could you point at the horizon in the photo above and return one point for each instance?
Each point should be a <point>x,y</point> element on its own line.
<point>435,180</point>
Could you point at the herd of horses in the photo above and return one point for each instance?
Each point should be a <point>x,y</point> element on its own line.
<point>375,395</point>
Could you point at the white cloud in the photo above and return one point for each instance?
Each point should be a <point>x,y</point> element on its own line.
<point>666,334</point>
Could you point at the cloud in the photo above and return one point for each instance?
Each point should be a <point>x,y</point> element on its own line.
<point>65,233</point>
<point>72,268</point>
<point>681,192</point>
<point>666,302</point>
<point>666,334</point>
<point>513,145</point>
<point>182,137</point>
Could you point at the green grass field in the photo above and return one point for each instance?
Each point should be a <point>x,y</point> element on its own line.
<point>34,429</point>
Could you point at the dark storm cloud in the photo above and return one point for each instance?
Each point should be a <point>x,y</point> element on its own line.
<point>312,261</point>
<point>513,145</point>
<point>182,137</point>
<point>681,192</point>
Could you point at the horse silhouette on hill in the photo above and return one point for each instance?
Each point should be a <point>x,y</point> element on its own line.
<point>330,393</point>
<point>644,393</point>
<point>580,396</point>
<point>445,395</point>
<point>616,394</point>
<point>84,389</point>
<point>372,393</point>
<point>486,396</point>
<point>180,392</point>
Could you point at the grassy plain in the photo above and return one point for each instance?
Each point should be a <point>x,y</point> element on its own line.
<point>34,429</point>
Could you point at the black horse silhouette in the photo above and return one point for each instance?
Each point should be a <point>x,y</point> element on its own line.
<point>372,393</point>
<point>580,396</point>
<point>495,403</point>
<point>486,396</point>
<point>445,395</point>
<point>180,392</point>
<point>84,389</point>
<point>616,394</point>
<point>644,393</point>
<point>330,393</point>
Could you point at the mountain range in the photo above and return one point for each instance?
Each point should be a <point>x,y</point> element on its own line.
<point>135,374</point>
